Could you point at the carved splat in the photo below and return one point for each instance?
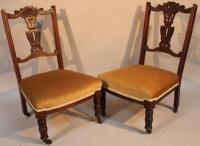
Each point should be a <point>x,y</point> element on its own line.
<point>166,35</point>
<point>170,9</point>
<point>34,38</point>
<point>29,13</point>
<point>33,34</point>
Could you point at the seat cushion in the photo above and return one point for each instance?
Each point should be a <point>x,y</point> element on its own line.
<point>54,89</point>
<point>140,82</point>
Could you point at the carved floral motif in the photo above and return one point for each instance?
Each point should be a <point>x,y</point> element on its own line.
<point>170,9</point>
<point>33,34</point>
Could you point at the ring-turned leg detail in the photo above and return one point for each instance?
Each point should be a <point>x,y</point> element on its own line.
<point>148,120</point>
<point>149,106</point>
<point>43,129</point>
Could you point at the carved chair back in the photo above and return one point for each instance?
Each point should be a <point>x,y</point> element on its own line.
<point>169,9</point>
<point>33,34</point>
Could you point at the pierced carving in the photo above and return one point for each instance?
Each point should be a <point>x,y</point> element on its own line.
<point>170,9</point>
<point>30,14</point>
<point>166,35</point>
<point>34,38</point>
<point>33,34</point>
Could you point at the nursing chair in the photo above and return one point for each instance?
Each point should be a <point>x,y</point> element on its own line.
<point>148,85</point>
<point>51,91</point>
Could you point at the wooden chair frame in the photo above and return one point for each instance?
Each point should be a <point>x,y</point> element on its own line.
<point>169,10</point>
<point>30,16</point>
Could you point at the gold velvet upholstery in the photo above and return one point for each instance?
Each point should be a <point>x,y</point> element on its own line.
<point>140,82</point>
<point>57,88</point>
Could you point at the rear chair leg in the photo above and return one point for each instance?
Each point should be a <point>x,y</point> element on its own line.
<point>24,106</point>
<point>42,124</point>
<point>176,98</point>
<point>103,102</point>
<point>149,106</point>
<point>97,106</point>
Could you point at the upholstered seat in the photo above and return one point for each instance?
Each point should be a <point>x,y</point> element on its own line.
<point>54,89</point>
<point>140,82</point>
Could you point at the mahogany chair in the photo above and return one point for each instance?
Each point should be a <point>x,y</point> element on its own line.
<point>52,91</point>
<point>148,85</point>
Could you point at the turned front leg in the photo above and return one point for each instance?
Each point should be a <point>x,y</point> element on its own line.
<point>149,106</point>
<point>42,124</point>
